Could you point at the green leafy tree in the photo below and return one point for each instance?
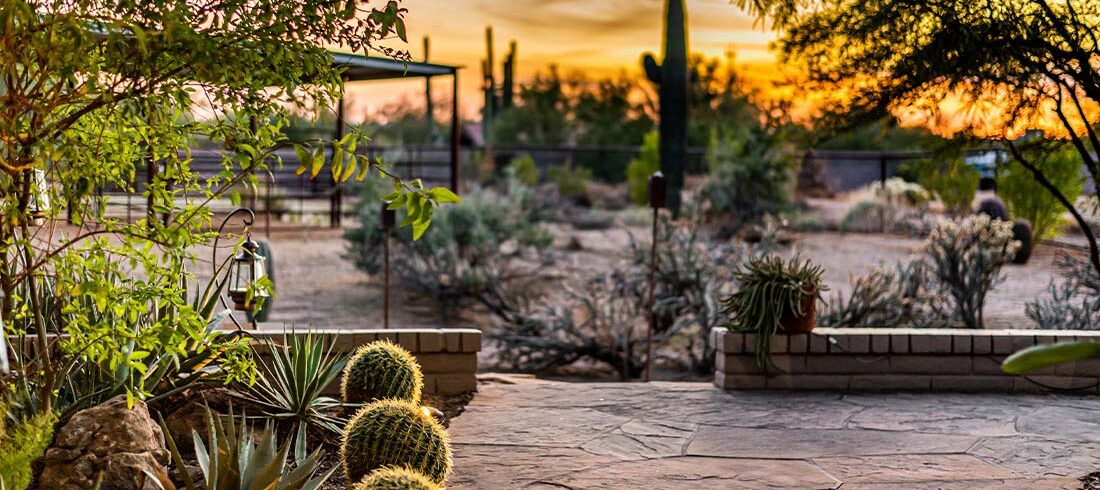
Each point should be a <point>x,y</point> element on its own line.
<point>98,92</point>
<point>1026,198</point>
<point>1012,64</point>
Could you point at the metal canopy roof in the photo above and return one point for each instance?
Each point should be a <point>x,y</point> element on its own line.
<point>357,67</point>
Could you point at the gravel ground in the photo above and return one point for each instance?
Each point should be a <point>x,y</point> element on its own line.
<point>318,287</point>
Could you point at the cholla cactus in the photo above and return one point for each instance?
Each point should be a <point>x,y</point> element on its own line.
<point>967,256</point>
<point>899,192</point>
<point>904,295</point>
<point>897,205</point>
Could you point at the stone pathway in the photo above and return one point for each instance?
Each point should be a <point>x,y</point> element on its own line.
<point>531,434</point>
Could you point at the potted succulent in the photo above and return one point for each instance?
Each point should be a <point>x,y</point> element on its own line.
<point>774,295</point>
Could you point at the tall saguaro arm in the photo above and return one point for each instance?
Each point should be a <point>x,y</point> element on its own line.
<point>671,77</point>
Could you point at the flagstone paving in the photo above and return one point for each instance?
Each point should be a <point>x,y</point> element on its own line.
<point>522,433</point>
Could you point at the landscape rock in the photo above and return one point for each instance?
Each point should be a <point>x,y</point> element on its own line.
<point>122,444</point>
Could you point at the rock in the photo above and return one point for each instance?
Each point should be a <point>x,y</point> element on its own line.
<point>192,414</point>
<point>123,444</point>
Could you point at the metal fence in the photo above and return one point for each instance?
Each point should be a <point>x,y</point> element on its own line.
<point>281,191</point>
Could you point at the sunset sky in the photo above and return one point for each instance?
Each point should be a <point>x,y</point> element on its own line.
<point>600,38</point>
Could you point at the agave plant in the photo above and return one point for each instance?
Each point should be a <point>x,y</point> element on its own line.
<point>290,387</point>
<point>236,460</point>
<point>1038,357</point>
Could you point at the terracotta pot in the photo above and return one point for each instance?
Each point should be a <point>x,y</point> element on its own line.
<point>790,323</point>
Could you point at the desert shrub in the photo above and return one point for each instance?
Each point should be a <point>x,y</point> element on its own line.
<point>1028,199</point>
<point>946,282</point>
<point>601,319</point>
<point>899,205</point>
<point>950,179</point>
<point>604,318</point>
<point>21,444</point>
<point>572,183</point>
<point>522,168</point>
<point>747,181</point>
<point>1074,302</point>
<point>905,295</point>
<point>691,277</point>
<point>967,256</point>
<point>639,170</point>
<point>469,246</point>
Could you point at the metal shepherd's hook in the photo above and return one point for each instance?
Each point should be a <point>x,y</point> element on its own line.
<point>247,220</point>
<point>657,194</point>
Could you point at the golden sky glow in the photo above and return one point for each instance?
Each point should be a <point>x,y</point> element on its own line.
<point>600,38</point>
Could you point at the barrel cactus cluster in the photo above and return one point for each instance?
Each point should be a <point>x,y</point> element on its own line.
<point>392,442</point>
<point>382,370</point>
<point>396,478</point>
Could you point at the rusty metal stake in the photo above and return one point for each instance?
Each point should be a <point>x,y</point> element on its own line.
<point>388,220</point>
<point>657,190</point>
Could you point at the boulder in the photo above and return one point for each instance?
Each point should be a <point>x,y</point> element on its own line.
<point>120,445</point>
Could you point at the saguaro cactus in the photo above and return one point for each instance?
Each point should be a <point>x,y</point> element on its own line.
<point>671,78</point>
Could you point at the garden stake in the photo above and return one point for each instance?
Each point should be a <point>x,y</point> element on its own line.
<point>657,189</point>
<point>388,220</point>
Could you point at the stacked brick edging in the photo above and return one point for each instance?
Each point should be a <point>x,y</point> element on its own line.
<point>898,359</point>
<point>448,357</point>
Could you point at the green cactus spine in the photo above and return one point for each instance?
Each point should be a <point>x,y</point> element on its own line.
<point>671,78</point>
<point>264,312</point>
<point>395,433</point>
<point>396,478</point>
<point>382,370</point>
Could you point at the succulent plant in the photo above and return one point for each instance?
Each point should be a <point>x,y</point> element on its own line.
<point>771,290</point>
<point>382,370</point>
<point>671,78</point>
<point>395,433</point>
<point>396,478</point>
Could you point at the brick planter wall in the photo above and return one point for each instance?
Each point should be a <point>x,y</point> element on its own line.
<point>897,359</point>
<point>447,356</point>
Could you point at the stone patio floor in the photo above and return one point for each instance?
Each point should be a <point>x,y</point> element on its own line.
<point>534,434</point>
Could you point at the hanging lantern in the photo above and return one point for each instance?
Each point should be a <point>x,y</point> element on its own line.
<point>247,268</point>
<point>38,205</point>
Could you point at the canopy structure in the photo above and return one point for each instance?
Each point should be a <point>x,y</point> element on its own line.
<point>359,68</point>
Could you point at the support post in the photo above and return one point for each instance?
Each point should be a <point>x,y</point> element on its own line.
<point>387,221</point>
<point>882,188</point>
<point>456,135</point>
<point>428,94</point>
<point>658,192</point>
<point>338,192</point>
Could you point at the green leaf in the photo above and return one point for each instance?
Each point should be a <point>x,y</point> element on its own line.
<point>444,195</point>
<point>303,158</point>
<point>318,162</point>
<point>420,227</point>
<point>1041,356</point>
